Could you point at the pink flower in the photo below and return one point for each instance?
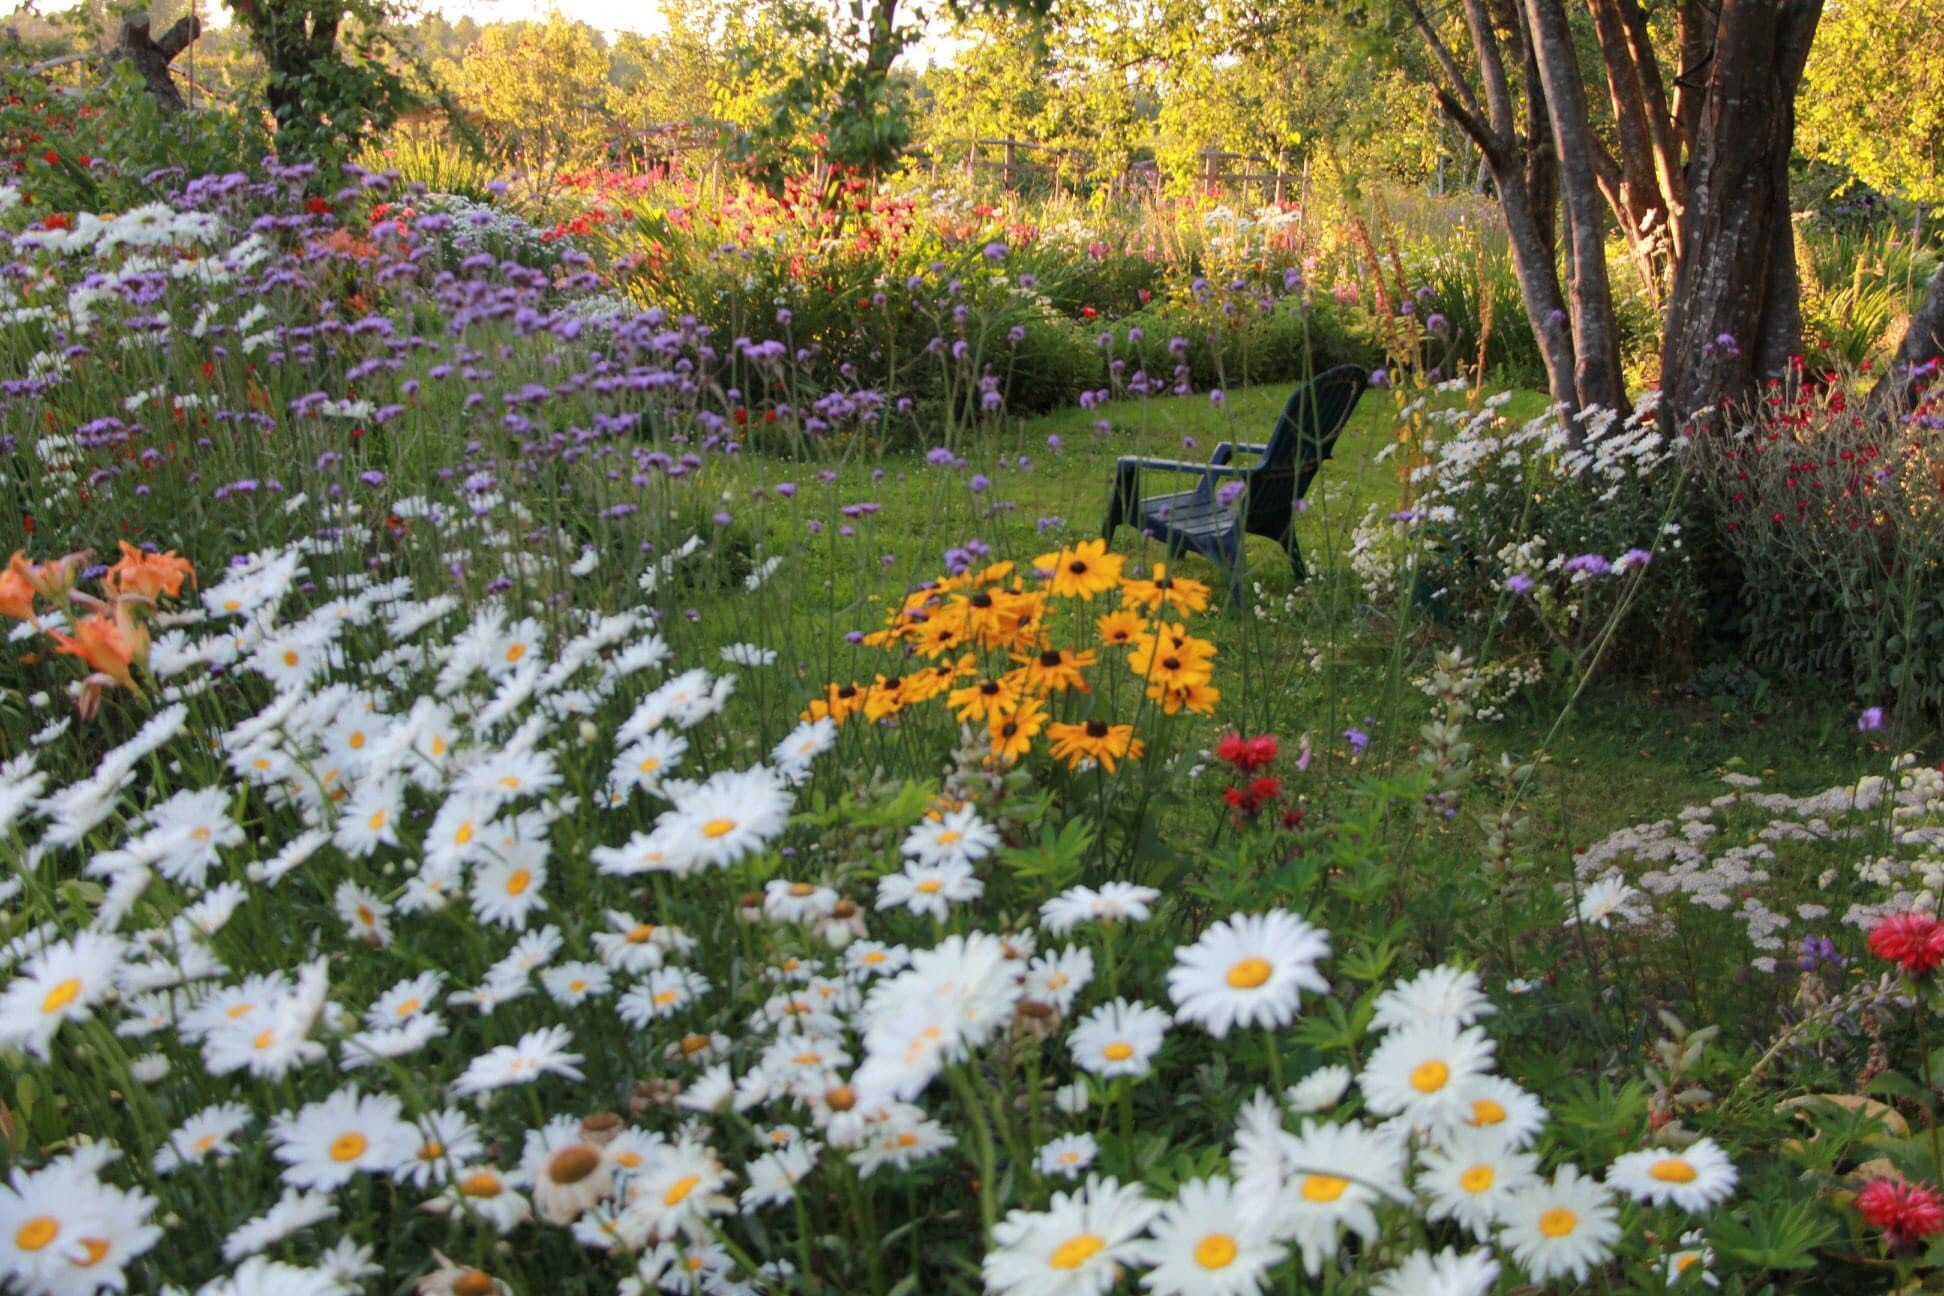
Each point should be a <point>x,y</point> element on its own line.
<point>1913,941</point>
<point>1905,1211</point>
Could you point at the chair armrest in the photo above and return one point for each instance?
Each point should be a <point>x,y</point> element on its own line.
<point>1227,450</point>
<point>1183,466</point>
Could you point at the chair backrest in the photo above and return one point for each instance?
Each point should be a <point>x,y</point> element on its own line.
<point>1305,436</point>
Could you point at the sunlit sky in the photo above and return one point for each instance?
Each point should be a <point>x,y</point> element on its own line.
<point>609,16</point>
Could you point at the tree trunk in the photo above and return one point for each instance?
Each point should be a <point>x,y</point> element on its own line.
<point>1734,301</point>
<point>1919,359</point>
<point>152,57</point>
<point>1597,380</point>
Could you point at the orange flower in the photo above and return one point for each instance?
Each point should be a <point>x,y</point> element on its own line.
<point>50,580</point>
<point>16,595</point>
<point>103,645</point>
<point>150,575</point>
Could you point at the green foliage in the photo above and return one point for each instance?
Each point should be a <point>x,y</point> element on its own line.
<point>332,73</point>
<point>124,136</point>
<point>1873,102</point>
<point>540,92</point>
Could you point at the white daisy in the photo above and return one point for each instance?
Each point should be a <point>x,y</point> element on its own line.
<point>506,890</point>
<point>732,815</point>
<point>207,1136</point>
<point>538,1053</point>
<point>1436,994</point>
<point>1112,902</point>
<point>1469,1178</point>
<point>294,1212</point>
<point>1118,1039</point>
<point>1079,1244</point>
<point>61,983</point>
<point>1068,1156</point>
<point>774,1176</point>
<point>364,914</point>
<point>1058,976</point>
<point>1248,970</point>
<point>1336,1176</point>
<point>324,1144</point>
<point>1445,1274</point>
<point>1199,1247</point>
<point>1694,1178</point>
<point>1426,1072</point>
<point>573,984</point>
<point>1495,1103</point>
<point>958,837</point>
<point>1564,1227</point>
<point>929,888</point>
<point>1318,1091</point>
<point>646,762</point>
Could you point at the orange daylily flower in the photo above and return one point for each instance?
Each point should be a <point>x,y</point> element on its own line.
<point>103,645</point>
<point>147,574</point>
<point>16,595</point>
<point>50,580</point>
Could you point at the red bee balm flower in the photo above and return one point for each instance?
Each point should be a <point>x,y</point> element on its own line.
<point>1913,941</point>
<point>1247,754</point>
<point>1905,1211</point>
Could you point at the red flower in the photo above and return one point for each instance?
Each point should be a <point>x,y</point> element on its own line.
<point>50,157</point>
<point>1913,941</point>
<point>1247,754</point>
<point>317,206</point>
<point>742,416</point>
<point>1905,1211</point>
<point>1088,312</point>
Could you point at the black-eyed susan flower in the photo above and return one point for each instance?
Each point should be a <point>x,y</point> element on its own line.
<point>1197,699</point>
<point>1163,592</point>
<point>1094,740</point>
<point>982,700</point>
<point>1082,571</point>
<point>1013,728</point>
<point>1053,670</point>
<point>1121,628</point>
<point>886,697</point>
<point>839,702</point>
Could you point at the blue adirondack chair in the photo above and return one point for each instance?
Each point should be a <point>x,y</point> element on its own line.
<point>1197,520</point>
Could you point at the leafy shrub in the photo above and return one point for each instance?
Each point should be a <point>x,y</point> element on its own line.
<point>1570,546</point>
<point>1834,522</point>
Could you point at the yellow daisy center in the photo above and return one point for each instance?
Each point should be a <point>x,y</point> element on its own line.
<point>377,820</point>
<point>694,1043</point>
<point>473,1283</point>
<point>410,1006</point>
<point>680,1189</point>
<point>649,764</point>
<point>802,889</point>
<point>1250,973</point>
<point>663,998</point>
<point>518,882</point>
<point>37,1232</point>
<point>1686,1261</point>
<point>97,1249</point>
<point>464,834</point>
<point>63,994</point>
<point>291,658</point>
<point>1558,1222</point>
<point>239,1010</point>
<point>930,886</point>
<point>1216,1251</point>
<point>432,1151</point>
<point>576,986</point>
<point>516,652</point>
<point>1430,1077</point>
<point>640,932</point>
<point>200,833</point>
<point>1487,1112</point>
<point>1323,1188</point>
<point>1118,1051</point>
<point>349,1146</point>
<point>206,1142</point>
<point>264,1039</point>
<point>1076,1251</point>
<point>482,1183</point>
<point>718,828</point>
<point>949,836</point>
<point>1477,1179</point>
<point>1672,1170</point>
<point>358,741</point>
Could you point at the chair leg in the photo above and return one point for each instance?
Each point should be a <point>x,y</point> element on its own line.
<point>1295,552</point>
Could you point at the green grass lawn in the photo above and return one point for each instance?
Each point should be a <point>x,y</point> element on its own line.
<point>1632,750</point>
